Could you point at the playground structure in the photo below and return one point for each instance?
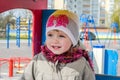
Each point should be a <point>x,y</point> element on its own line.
<point>86,21</point>
<point>18,32</point>
<point>14,62</point>
<point>38,28</point>
<point>111,33</point>
<point>102,58</point>
<point>88,25</point>
<point>36,8</point>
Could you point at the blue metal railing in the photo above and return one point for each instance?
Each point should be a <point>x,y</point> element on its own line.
<point>106,77</point>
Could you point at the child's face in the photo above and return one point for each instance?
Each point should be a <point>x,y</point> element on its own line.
<point>58,42</point>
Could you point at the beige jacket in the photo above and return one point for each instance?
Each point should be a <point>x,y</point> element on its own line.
<point>41,69</point>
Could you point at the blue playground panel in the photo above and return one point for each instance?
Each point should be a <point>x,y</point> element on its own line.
<point>45,15</point>
<point>110,64</point>
<point>111,60</point>
<point>106,77</point>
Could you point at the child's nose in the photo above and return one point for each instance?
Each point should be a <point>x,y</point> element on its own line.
<point>55,40</point>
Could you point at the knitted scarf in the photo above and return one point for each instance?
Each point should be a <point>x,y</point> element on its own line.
<point>66,57</point>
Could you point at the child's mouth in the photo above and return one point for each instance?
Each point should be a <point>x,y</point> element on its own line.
<point>56,47</point>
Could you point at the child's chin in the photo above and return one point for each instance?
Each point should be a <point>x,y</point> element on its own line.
<point>57,53</point>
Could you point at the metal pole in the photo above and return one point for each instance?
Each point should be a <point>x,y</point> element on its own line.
<point>18,32</point>
<point>7,34</point>
<point>11,67</point>
<point>29,32</point>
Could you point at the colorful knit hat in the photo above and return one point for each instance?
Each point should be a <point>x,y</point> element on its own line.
<point>65,21</point>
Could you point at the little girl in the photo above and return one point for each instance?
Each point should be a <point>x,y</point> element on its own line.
<point>61,58</point>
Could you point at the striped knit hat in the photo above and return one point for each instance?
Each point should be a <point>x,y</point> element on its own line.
<point>65,21</point>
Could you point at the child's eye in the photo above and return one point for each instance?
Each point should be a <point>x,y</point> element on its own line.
<point>50,35</point>
<point>62,36</point>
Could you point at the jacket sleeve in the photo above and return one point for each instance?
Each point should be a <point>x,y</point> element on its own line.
<point>88,73</point>
<point>28,72</point>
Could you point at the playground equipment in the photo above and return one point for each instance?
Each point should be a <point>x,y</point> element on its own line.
<point>18,63</point>
<point>36,9</point>
<point>8,34</point>
<point>111,62</point>
<point>86,22</point>
<point>98,58</point>
<point>115,30</point>
<point>106,77</point>
<point>29,32</point>
<point>18,32</point>
<point>111,34</point>
<point>115,27</point>
<point>46,14</point>
<point>102,57</point>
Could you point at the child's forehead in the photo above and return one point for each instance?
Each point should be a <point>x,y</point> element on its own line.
<point>56,30</point>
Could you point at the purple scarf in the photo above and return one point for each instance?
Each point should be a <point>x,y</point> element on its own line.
<point>65,57</point>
